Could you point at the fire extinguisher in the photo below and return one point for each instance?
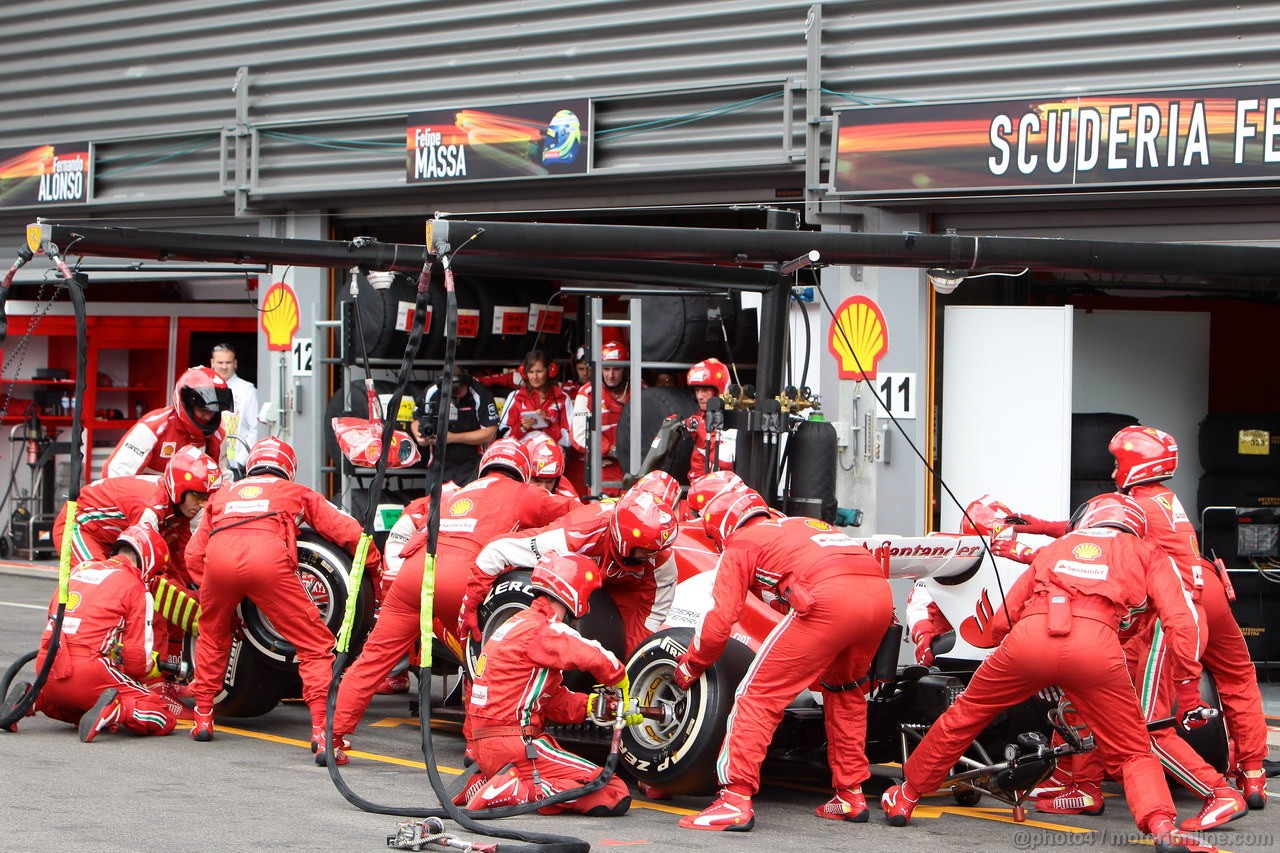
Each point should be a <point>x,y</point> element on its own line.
<point>34,434</point>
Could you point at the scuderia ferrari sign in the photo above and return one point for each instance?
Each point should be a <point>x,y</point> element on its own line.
<point>1077,142</point>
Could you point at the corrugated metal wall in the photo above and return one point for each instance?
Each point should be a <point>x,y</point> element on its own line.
<point>330,82</point>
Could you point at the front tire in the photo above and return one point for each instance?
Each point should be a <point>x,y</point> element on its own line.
<point>680,754</point>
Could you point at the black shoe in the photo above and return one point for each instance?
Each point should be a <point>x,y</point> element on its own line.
<point>16,692</point>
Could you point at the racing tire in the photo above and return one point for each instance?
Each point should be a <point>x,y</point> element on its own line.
<point>513,592</point>
<point>252,686</point>
<point>510,594</point>
<point>325,569</point>
<point>680,756</point>
<point>1210,741</point>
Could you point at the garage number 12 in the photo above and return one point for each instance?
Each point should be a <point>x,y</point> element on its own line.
<point>897,395</point>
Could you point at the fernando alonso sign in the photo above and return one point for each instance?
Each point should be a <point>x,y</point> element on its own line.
<point>1080,142</point>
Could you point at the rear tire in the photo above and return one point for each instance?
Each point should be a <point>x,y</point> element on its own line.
<point>680,756</point>
<point>1210,740</point>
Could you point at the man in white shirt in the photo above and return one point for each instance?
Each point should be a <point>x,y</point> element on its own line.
<point>241,425</point>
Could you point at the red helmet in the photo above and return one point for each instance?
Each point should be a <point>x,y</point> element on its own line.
<point>569,579</point>
<point>729,510</point>
<point>641,520</point>
<point>709,372</point>
<point>510,455</point>
<point>1143,454</point>
<point>703,489</point>
<point>661,485</point>
<point>152,550</point>
<point>986,516</point>
<point>190,470</point>
<point>271,454</point>
<point>1112,509</point>
<point>546,459</point>
<point>200,397</point>
<point>614,351</point>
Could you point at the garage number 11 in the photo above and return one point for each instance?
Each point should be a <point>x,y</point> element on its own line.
<point>897,395</point>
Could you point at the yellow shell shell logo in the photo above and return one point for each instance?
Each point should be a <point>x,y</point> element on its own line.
<point>635,533</point>
<point>461,506</point>
<point>480,664</point>
<point>1086,551</point>
<point>280,317</point>
<point>73,601</point>
<point>817,525</point>
<point>249,491</point>
<point>590,576</point>
<point>858,338</point>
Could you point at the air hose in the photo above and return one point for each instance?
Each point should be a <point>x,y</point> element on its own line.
<point>468,820</point>
<point>75,290</point>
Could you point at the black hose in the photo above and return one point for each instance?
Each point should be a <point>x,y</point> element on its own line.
<point>76,292</point>
<point>13,670</point>
<point>465,818</point>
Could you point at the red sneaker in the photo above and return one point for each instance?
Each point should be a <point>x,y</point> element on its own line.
<point>394,685</point>
<point>1169,839</point>
<point>103,716</point>
<point>1084,798</point>
<point>1223,806</point>
<point>898,804</point>
<point>731,812</point>
<point>202,730</point>
<point>340,747</point>
<point>470,789</point>
<point>1051,787</point>
<point>1253,784</point>
<point>848,804</point>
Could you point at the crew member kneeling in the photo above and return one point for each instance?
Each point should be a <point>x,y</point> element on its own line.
<point>519,685</point>
<point>96,678</point>
<point>1065,613</point>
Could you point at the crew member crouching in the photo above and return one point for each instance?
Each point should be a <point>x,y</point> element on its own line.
<point>519,686</point>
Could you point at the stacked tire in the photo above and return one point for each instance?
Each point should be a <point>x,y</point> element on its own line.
<point>1240,454</point>
<point>1091,461</point>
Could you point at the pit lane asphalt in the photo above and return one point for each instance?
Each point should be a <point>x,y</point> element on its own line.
<point>255,787</point>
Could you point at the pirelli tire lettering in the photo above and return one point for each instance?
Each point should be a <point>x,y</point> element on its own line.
<point>680,755</point>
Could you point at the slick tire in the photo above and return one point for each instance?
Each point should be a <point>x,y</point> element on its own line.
<point>680,756</point>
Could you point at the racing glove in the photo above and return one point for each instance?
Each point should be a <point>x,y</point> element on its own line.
<point>1026,523</point>
<point>1012,549</point>
<point>686,673</point>
<point>924,648</point>
<point>606,713</point>
<point>468,621</point>
<point>1192,710</point>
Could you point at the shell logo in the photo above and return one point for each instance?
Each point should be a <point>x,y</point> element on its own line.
<point>590,576</point>
<point>858,338</point>
<point>249,491</point>
<point>73,601</point>
<point>635,533</point>
<point>461,506</point>
<point>280,316</point>
<point>480,665</point>
<point>1086,551</point>
<point>816,524</point>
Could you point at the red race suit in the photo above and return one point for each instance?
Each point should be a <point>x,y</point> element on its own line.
<point>491,506</point>
<point>247,547</point>
<point>1101,577</point>
<point>106,642</point>
<point>553,408</point>
<point>519,687</point>
<point>150,443</point>
<point>839,607</point>
<point>642,593</point>
<point>1224,653</point>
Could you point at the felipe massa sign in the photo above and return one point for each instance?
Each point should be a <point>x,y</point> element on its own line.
<point>518,141</point>
<point>1081,142</point>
